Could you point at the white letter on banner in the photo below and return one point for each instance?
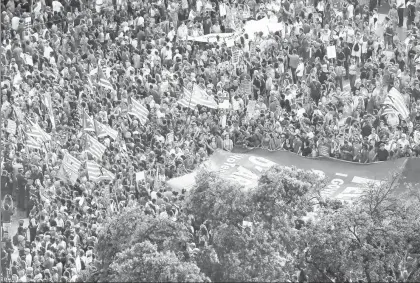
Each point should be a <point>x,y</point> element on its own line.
<point>245,173</point>
<point>261,161</point>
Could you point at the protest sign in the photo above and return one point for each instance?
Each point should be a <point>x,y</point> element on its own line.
<point>235,56</point>
<point>11,127</point>
<point>140,176</point>
<point>331,52</point>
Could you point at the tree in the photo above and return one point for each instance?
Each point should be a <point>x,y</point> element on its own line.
<point>217,201</point>
<point>133,226</point>
<point>371,239</point>
<point>144,263</point>
<point>115,235</point>
<point>260,252</point>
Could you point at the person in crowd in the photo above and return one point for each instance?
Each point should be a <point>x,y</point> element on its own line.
<point>147,92</point>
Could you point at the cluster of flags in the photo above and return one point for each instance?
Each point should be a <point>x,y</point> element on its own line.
<point>197,96</point>
<point>394,104</point>
<point>98,75</point>
<point>101,130</point>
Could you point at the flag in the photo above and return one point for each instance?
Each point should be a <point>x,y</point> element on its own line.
<point>388,110</point>
<point>396,101</point>
<point>97,173</point>
<point>48,105</point>
<point>103,130</point>
<point>186,100</point>
<point>197,96</point>
<point>66,174</point>
<point>33,143</point>
<point>203,98</point>
<point>38,133</point>
<point>103,81</point>
<point>87,122</point>
<point>94,147</point>
<point>138,110</point>
<point>71,162</point>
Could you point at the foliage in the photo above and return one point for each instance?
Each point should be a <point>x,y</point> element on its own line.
<point>144,263</point>
<point>116,234</point>
<point>218,201</point>
<point>372,239</point>
<point>259,253</point>
<point>133,226</point>
<point>285,192</point>
<point>264,234</point>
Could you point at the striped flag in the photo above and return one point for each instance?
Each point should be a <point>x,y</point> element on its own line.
<point>87,122</point>
<point>204,99</point>
<point>33,143</point>
<point>97,173</point>
<point>103,130</point>
<point>94,147</point>
<point>138,110</point>
<point>103,81</point>
<point>71,162</point>
<point>396,100</point>
<point>67,175</point>
<point>186,100</point>
<point>38,133</point>
<point>197,96</point>
<point>388,110</point>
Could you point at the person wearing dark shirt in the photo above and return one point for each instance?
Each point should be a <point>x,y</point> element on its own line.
<point>382,153</point>
<point>415,94</point>
<point>366,129</point>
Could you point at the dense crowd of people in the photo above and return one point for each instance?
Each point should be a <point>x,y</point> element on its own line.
<point>281,90</point>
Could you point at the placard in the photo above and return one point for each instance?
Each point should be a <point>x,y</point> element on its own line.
<point>235,56</point>
<point>253,49</point>
<point>11,127</point>
<point>140,176</point>
<point>331,52</point>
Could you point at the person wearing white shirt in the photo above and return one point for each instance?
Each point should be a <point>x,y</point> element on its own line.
<point>15,23</point>
<point>400,9</point>
<point>56,6</point>
<point>350,34</point>
<point>300,69</point>
<point>350,11</point>
<point>47,51</point>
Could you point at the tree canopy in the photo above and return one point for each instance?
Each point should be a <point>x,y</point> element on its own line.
<point>226,233</point>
